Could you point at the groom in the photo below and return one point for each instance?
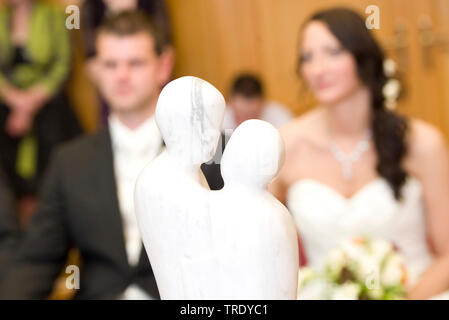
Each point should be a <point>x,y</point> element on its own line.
<point>87,198</point>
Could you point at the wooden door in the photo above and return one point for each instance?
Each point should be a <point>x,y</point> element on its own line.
<point>423,57</point>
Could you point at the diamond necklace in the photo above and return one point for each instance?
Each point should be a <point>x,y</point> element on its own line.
<point>347,160</point>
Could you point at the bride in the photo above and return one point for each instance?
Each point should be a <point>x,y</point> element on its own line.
<point>353,167</point>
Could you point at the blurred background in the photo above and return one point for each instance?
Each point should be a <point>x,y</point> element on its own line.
<point>217,39</point>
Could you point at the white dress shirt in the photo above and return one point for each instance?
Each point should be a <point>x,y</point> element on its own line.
<point>132,150</point>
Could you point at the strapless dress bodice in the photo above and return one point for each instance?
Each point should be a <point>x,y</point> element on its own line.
<point>325,218</point>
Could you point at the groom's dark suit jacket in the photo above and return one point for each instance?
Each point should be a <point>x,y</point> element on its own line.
<point>78,208</point>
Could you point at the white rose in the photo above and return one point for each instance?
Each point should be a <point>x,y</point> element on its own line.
<point>391,89</point>
<point>393,271</point>
<point>389,67</point>
<point>367,267</point>
<point>353,248</point>
<point>317,289</point>
<point>335,261</point>
<point>380,249</point>
<point>347,291</point>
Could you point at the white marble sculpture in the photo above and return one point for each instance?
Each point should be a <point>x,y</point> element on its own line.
<point>171,195</point>
<point>236,243</point>
<point>253,233</point>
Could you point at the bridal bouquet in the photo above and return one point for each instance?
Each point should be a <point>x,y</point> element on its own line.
<point>360,268</point>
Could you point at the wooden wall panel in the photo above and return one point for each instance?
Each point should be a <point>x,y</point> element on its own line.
<point>441,14</point>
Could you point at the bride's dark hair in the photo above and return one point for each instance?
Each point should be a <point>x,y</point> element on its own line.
<point>389,129</point>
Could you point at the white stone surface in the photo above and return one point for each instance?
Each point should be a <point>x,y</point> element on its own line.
<point>253,233</point>
<point>236,243</point>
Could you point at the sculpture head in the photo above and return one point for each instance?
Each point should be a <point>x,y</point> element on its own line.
<point>189,114</point>
<point>253,155</point>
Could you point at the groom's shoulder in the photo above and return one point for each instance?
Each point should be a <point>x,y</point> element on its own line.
<point>81,151</point>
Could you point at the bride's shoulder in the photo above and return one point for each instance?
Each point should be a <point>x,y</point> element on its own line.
<point>302,129</point>
<point>425,142</point>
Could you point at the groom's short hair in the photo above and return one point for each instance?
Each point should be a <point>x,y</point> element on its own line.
<point>129,23</point>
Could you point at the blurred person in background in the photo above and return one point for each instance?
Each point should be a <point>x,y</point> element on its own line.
<point>87,196</point>
<point>34,113</point>
<point>353,167</point>
<point>247,101</point>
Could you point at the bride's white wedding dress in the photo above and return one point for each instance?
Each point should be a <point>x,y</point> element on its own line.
<point>325,218</point>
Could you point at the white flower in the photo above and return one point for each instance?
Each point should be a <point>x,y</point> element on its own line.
<point>367,267</point>
<point>347,291</point>
<point>354,248</point>
<point>317,289</point>
<point>391,89</point>
<point>393,271</point>
<point>380,249</point>
<point>335,261</point>
<point>389,67</point>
